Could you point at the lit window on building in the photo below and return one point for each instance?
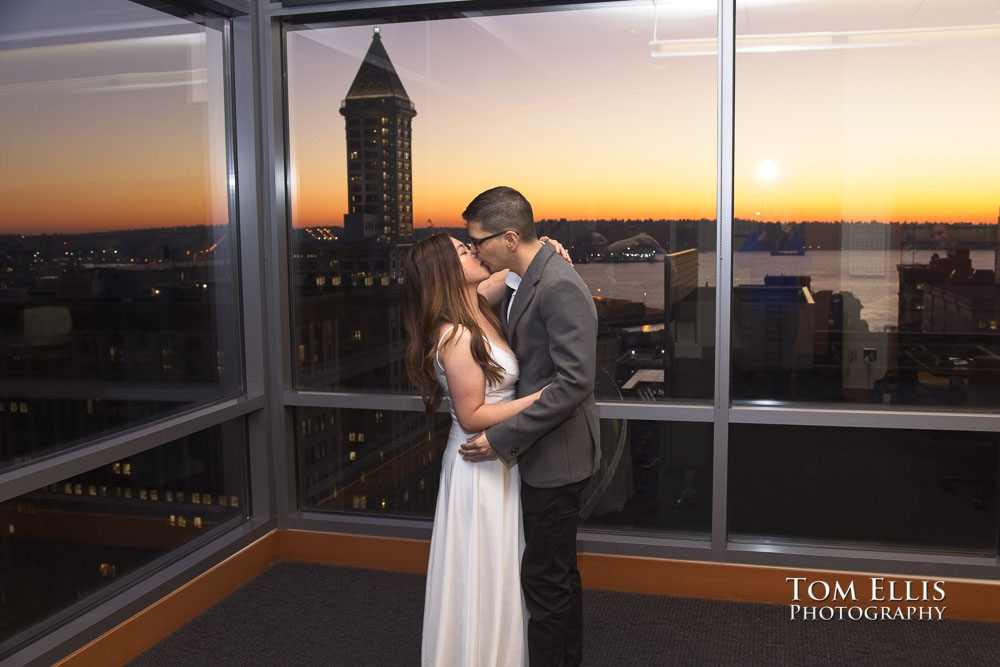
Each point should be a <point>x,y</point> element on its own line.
<point>234,501</point>
<point>78,489</point>
<point>68,488</point>
<point>173,520</point>
<point>181,521</point>
<point>180,496</point>
<point>197,522</point>
<point>320,281</point>
<point>196,498</point>
<point>170,496</point>
<point>126,468</point>
<point>107,570</point>
<point>24,407</point>
<point>153,494</point>
<point>361,437</point>
<point>356,333</point>
<point>128,492</point>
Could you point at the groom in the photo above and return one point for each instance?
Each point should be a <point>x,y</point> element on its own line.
<point>551,323</point>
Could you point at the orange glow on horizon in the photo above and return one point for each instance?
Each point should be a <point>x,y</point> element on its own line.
<point>130,133</point>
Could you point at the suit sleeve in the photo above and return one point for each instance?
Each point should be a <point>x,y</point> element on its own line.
<point>567,313</point>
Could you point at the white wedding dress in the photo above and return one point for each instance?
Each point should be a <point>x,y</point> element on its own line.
<point>474,614</point>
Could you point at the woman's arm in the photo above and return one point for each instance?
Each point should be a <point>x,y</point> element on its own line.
<point>467,387</point>
<point>493,287</point>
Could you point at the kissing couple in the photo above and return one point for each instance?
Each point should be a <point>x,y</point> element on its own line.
<point>503,586</point>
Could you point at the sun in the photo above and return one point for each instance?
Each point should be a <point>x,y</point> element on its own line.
<point>767,170</point>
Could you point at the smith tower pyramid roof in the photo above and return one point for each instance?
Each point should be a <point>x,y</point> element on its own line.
<point>377,77</point>
<point>377,114</point>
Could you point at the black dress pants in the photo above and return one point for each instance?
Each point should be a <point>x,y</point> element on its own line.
<point>549,576</point>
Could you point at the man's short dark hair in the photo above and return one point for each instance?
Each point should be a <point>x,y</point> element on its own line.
<point>502,208</point>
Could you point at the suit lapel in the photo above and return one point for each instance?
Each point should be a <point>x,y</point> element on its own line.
<point>504,307</point>
<point>526,290</point>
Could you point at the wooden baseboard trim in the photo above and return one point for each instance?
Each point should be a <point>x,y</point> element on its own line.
<point>964,599</point>
<point>373,553</point>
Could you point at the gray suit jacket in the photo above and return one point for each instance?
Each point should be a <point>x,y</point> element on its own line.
<point>553,330</point>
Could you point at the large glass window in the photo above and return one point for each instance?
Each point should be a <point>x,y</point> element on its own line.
<point>867,488</point>
<point>91,534</point>
<point>866,262</point>
<point>591,112</point>
<point>382,462</point>
<point>117,255</point>
<point>655,477</point>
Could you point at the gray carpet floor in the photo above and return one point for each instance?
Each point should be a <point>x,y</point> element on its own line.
<point>303,614</point>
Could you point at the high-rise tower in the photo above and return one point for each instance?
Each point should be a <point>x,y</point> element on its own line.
<point>378,115</point>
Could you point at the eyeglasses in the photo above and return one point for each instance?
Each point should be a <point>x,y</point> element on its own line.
<point>475,243</point>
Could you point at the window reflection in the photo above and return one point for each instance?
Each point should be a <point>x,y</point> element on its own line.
<point>867,488</point>
<point>81,536</point>
<point>117,291</point>
<point>654,477</point>
<point>866,259</point>
<point>423,124</point>
<point>386,462</point>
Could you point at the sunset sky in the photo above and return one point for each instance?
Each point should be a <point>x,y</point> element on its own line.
<point>845,109</point>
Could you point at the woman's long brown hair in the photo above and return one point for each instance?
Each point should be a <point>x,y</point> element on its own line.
<point>434,294</point>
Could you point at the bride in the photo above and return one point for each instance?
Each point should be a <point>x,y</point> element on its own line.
<point>474,610</point>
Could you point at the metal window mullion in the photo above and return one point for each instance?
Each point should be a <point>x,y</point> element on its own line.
<point>252,226</point>
<point>724,274</point>
<point>860,418</point>
<point>666,412</point>
<point>273,141</point>
<point>76,461</point>
<point>923,563</point>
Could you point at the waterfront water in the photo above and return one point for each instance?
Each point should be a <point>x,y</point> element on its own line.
<point>869,274</point>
